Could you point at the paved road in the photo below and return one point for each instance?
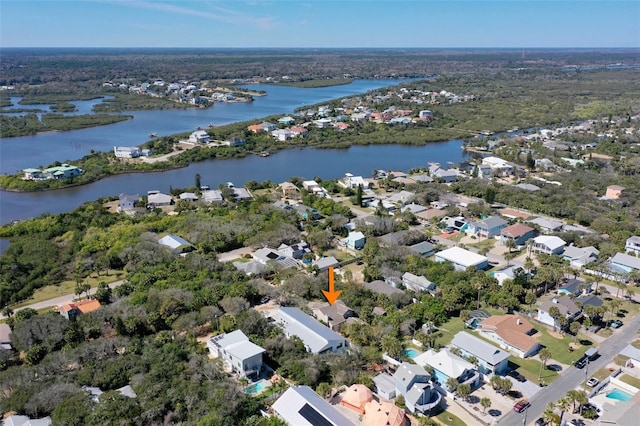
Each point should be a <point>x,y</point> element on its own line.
<point>573,377</point>
<point>61,300</point>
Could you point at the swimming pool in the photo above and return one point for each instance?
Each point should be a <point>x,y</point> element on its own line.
<point>411,353</point>
<point>257,387</point>
<point>619,395</point>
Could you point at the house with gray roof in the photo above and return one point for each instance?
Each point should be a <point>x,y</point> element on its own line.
<point>580,256</point>
<point>325,263</point>
<point>417,283</point>
<point>385,386</point>
<point>623,263</point>
<point>547,226</point>
<point>175,243</point>
<point>566,306</point>
<point>355,240</point>
<point>486,228</point>
<point>548,244</point>
<point>334,315</point>
<point>158,199</point>
<point>491,359</point>
<point>447,365</point>
<point>413,208</point>
<point>381,287</point>
<point>212,196</point>
<point>237,352</point>
<point>316,337</point>
<point>17,420</point>
<point>632,245</point>
<point>128,202</point>
<point>301,406</point>
<point>424,248</point>
<point>414,384</point>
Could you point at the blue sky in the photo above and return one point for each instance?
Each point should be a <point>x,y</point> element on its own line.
<point>319,23</point>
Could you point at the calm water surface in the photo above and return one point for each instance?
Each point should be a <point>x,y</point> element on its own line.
<point>43,149</point>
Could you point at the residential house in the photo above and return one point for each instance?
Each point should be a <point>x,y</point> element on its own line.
<point>356,397</point>
<point>237,352</point>
<point>486,228</point>
<point>298,131</point>
<point>188,196</point>
<point>312,186</point>
<point>633,355</point>
<point>424,248</point>
<point>547,226</point>
<point>383,413</point>
<point>323,123</point>
<point>510,272</point>
<point>63,171</point>
<point>282,134</point>
<point>200,137</point>
<point>457,223</point>
<point>334,315</point>
<point>445,176</point>
<point>566,307</point>
<point>268,127</point>
<point>512,332</point>
<point>548,244</point>
<point>316,337</point>
<point>623,263</point>
<point>425,115</point>
<point>385,386</point>
<point>632,245</point>
<point>286,121</point>
<point>614,192</point>
<point>241,194</point>
<point>325,263</point>
<point>32,174</point>
<point>381,287</point>
<point>235,141</point>
<point>289,190</point>
<point>158,199</point>
<point>499,166</point>
<point>268,256</point>
<point>301,406</point>
<point>175,243</point>
<point>296,251</point>
<point>414,384</point>
<point>127,202</point>
<point>402,197</point>
<point>5,337</point>
<point>355,240</point>
<point>341,126</point>
<point>16,420</point>
<point>462,259</point>
<point>574,287</point>
<point>255,128</point>
<point>352,182</point>
<point>307,212</point>
<point>589,300</point>
<point>544,164</point>
<point>491,360</point>
<point>518,233</point>
<point>72,310</point>
<point>620,413</point>
<point>448,365</point>
<point>580,256</point>
<point>126,151</point>
<point>418,283</point>
<point>414,208</point>
<point>212,196</point>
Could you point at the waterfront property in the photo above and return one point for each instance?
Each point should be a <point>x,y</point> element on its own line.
<point>130,152</point>
<point>237,352</point>
<point>63,171</point>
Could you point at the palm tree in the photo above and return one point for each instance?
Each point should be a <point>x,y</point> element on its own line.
<point>486,403</point>
<point>549,415</point>
<point>544,355</point>
<point>563,404</point>
<point>451,383</point>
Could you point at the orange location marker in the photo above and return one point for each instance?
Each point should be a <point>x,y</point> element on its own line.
<point>333,294</point>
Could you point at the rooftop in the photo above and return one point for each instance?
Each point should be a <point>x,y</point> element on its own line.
<point>479,348</point>
<point>513,329</point>
<point>461,256</point>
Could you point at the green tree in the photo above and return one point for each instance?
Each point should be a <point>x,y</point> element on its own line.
<point>103,293</point>
<point>463,391</point>
<point>75,410</point>
<point>359,196</point>
<point>485,403</point>
<point>451,383</point>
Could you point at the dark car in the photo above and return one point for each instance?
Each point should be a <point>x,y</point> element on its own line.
<point>519,377</point>
<point>540,422</point>
<point>582,362</point>
<point>520,406</point>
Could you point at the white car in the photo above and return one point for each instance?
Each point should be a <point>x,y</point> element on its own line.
<point>592,382</point>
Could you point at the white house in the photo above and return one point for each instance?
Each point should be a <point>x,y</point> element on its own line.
<point>632,245</point>
<point>355,240</point>
<point>316,337</point>
<point>240,354</point>
<point>491,359</point>
<point>414,384</point>
<point>566,307</point>
<point>548,244</point>
<point>462,259</point>
<point>127,202</point>
<point>417,283</point>
<point>282,134</point>
<point>126,151</point>
<point>199,136</point>
<point>512,332</point>
<point>157,199</point>
<point>351,181</point>
<point>446,365</point>
<point>175,243</point>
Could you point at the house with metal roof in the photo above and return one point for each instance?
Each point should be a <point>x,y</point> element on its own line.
<point>486,228</point>
<point>237,352</point>
<point>580,256</point>
<point>448,365</point>
<point>548,244</point>
<point>491,359</point>
<point>462,259</point>
<point>316,337</point>
<point>623,263</point>
<point>301,406</point>
<point>355,240</point>
<point>127,202</point>
<point>414,384</point>
<point>175,243</point>
<point>547,226</point>
<point>424,248</point>
<point>417,283</point>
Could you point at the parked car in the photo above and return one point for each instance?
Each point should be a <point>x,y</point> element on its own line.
<point>540,422</point>
<point>519,377</point>
<point>581,362</point>
<point>615,324</point>
<point>521,405</point>
<point>265,299</point>
<point>592,382</point>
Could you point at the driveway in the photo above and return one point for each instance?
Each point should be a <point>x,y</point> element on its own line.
<point>234,254</point>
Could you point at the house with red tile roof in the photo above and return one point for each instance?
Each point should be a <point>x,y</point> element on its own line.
<point>517,232</point>
<point>512,332</point>
<point>72,310</point>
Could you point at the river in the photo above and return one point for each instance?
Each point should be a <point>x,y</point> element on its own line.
<point>43,149</point>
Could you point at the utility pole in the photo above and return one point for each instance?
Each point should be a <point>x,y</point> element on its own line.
<point>586,374</point>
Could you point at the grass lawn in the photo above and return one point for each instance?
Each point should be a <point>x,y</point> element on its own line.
<point>636,344</point>
<point>339,255</point>
<point>620,360</point>
<point>66,287</point>
<point>630,380</point>
<point>447,418</point>
<point>601,374</point>
<point>530,368</point>
<point>450,329</point>
<point>560,347</point>
<point>488,243</point>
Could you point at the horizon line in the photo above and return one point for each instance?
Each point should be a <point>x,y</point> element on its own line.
<point>316,48</point>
